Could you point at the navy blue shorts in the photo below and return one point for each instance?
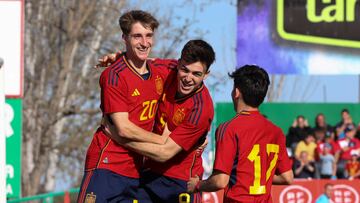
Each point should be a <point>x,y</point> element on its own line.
<point>161,189</point>
<point>101,185</point>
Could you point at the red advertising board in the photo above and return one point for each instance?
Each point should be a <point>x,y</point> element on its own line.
<point>305,191</point>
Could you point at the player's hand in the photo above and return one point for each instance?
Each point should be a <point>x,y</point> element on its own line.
<point>165,134</point>
<point>201,148</point>
<point>191,184</point>
<point>294,124</point>
<point>166,131</point>
<point>110,131</point>
<point>108,59</point>
<point>106,126</point>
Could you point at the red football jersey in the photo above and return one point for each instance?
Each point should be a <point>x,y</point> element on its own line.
<point>189,120</point>
<point>250,149</point>
<point>125,90</point>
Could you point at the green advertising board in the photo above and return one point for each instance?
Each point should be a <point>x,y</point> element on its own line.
<point>283,114</point>
<point>13,127</point>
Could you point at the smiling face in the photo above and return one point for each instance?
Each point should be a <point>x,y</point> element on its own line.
<point>190,76</point>
<point>139,42</point>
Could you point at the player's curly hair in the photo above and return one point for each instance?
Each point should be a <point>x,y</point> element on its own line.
<point>129,18</point>
<point>253,82</point>
<point>198,50</point>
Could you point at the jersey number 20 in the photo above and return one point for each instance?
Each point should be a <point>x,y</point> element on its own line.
<point>148,110</point>
<point>257,188</point>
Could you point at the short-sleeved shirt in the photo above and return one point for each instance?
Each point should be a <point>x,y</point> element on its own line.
<point>250,149</point>
<point>189,119</point>
<point>309,148</point>
<point>327,162</point>
<point>353,146</point>
<point>321,145</point>
<point>123,89</point>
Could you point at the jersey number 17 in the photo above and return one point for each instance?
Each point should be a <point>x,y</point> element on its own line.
<point>257,188</point>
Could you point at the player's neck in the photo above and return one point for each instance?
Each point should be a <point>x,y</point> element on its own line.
<point>241,106</point>
<point>138,65</point>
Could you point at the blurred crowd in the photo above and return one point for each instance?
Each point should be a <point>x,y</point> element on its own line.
<point>325,151</point>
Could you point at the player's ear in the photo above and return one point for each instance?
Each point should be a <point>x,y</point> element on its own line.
<point>237,93</point>
<point>123,36</point>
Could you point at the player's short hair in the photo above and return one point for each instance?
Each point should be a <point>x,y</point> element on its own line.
<point>198,50</point>
<point>253,82</point>
<point>129,18</point>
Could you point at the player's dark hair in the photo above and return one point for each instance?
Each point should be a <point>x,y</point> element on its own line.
<point>198,50</point>
<point>129,18</point>
<point>253,82</point>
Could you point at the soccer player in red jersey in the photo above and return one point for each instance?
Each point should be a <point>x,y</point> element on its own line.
<point>186,110</point>
<point>130,90</point>
<point>249,148</point>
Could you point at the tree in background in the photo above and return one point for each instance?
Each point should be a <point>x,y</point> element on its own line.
<point>63,40</point>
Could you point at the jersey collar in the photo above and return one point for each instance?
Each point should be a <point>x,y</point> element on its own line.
<point>249,113</point>
<point>133,69</point>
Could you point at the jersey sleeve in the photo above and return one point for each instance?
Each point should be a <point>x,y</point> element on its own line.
<point>226,148</point>
<point>165,66</point>
<point>113,92</point>
<point>194,127</point>
<point>284,162</point>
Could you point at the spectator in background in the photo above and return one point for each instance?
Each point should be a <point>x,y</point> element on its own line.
<point>308,145</point>
<point>326,196</point>
<point>327,141</point>
<point>346,121</point>
<point>358,132</point>
<point>327,163</point>
<point>346,147</point>
<point>353,167</point>
<point>303,167</point>
<point>319,135</point>
<point>297,132</point>
<point>320,124</point>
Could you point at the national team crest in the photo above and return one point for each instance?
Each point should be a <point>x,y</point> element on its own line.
<point>90,198</point>
<point>159,85</point>
<point>178,116</point>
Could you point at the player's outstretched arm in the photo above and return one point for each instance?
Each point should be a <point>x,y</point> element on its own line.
<point>285,178</point>
<point>124,128</point>
<point>157,152</point>
<point>217,181</point>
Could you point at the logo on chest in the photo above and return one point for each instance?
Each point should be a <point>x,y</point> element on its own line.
<point>179,116</point>
<point>135,93</point>
<point>159,85</point>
